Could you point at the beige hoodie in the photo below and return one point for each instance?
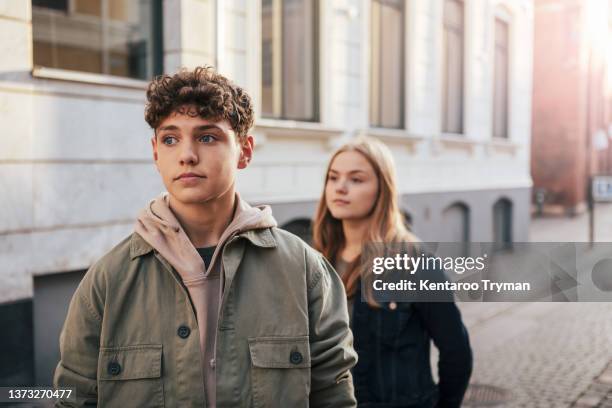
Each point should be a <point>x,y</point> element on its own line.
<point>159,227</point>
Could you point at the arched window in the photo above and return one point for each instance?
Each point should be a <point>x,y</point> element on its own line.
<point>456,228</point>
<point>502,223</point>
<point>302,227</point>
<point>456,222</point>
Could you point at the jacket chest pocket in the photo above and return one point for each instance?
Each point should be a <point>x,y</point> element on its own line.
<point>392,326</point>
<point>280,371</point>
<point>130,376</point>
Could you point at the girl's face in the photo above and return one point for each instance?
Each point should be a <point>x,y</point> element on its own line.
<point>352,186</point>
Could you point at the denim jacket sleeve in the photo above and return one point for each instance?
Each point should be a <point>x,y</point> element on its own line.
<point>79,343</point>
<point>443,322</point>
<point>331,341</point>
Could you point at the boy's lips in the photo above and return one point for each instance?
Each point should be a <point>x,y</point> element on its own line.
<point>187,176</point>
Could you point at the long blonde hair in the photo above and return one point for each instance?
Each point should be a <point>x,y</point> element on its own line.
<point>386,220</point>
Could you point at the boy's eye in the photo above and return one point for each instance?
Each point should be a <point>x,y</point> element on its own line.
<point>206,138</point>
<point>169,140</point>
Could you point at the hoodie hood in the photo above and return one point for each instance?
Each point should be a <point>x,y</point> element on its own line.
<point>158,226</point>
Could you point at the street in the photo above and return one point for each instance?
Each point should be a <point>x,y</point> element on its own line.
<point>543,354</point>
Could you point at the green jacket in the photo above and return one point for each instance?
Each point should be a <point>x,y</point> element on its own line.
<point>131,339</point>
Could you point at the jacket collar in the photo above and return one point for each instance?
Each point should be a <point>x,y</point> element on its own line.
<point>262,238</point>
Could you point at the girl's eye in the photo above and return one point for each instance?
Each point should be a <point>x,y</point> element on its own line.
<point>332,178</point>
<point>356,180</point>
<point>206,139</point>
<point>169,140</point>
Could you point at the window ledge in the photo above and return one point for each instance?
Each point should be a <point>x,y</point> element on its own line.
<point>272,128</point>
<point>88,78</point>
<point>492,146</point>
<point>501,145</point>
<point>396,136</point>
<point>457,138</point>
<point>454,141</point>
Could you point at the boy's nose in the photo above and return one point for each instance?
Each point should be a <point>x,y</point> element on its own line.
<point>188,156</point>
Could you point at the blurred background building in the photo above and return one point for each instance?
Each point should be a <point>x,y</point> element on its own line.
<point>447,84</point>
<point>572,101</point>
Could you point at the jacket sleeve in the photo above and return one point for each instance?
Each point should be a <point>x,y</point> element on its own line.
<point>331,341</point>
<point>443,322</point>
<point>80,343</point>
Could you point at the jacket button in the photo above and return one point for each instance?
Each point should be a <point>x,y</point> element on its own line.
<point>114,368</point>
<point>183,332</point>
<point>295,357</point>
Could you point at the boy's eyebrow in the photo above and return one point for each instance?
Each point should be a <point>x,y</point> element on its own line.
<point>207,127</point>
<point>199,128</point>
<point>169,127</point>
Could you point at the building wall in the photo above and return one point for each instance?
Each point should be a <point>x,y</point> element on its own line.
<point>76,164</point>
<point>571,99</point>
<point>290,159</point>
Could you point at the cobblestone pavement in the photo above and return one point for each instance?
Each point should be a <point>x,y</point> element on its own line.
<point>599,393</point>
<point>544,354</point>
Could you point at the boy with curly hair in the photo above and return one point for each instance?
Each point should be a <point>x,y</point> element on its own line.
<point>207,303</point>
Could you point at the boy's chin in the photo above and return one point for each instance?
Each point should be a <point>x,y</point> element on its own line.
<point>192,197</point>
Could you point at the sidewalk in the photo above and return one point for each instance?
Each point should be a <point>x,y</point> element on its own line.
<point>544,354</point>
<point>599,393</point>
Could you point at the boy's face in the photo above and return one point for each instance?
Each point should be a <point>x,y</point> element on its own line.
<point>197,158</point>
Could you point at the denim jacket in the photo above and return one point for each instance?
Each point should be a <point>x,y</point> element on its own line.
<point>393,345</point>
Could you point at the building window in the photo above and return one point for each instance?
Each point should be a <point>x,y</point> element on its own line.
<point>110,37</point>
<point>500,86</point>
<point>289,60</point>
<point>502,223</point>
<point>387,64</point>
<point>452,116</point>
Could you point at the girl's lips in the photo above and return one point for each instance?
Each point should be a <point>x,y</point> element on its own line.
<point>341,202</point>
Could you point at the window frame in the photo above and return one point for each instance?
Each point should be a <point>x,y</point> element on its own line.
<point>403,79</point>
<point>157,57</point>
<point>444,72</point>
<point>278,68</point>
<point>503,14</point>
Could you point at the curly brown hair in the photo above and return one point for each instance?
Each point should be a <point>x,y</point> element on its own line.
<point>214,97</point>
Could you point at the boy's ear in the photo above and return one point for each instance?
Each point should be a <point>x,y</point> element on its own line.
<point>154,146</point>
<point>246,152</point>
